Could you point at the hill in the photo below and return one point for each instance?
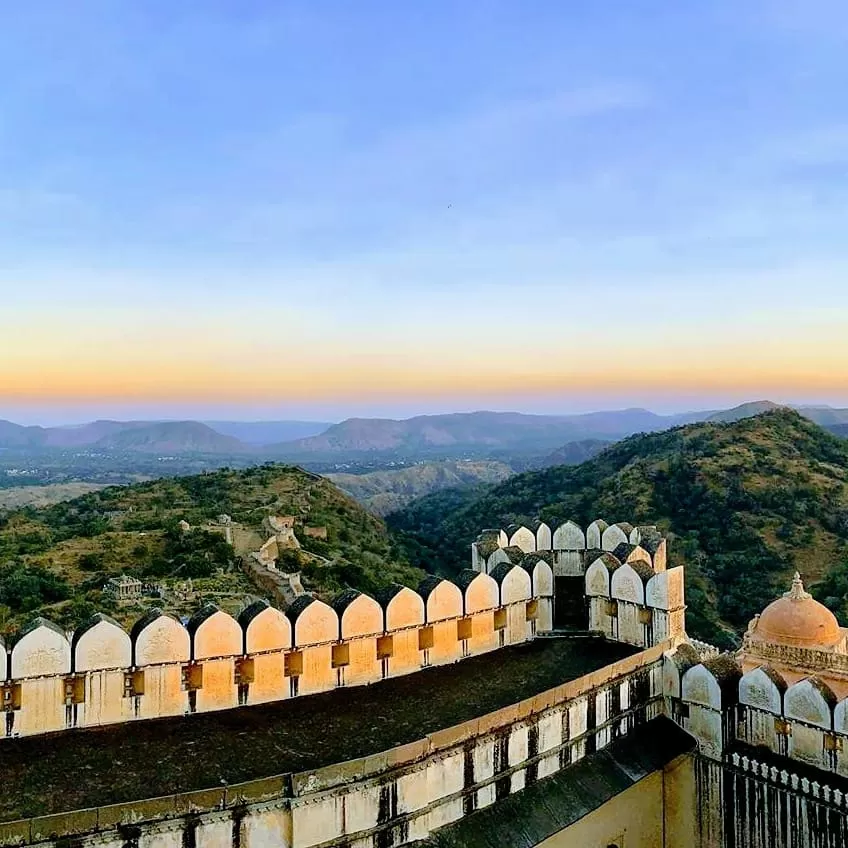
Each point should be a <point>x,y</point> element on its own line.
<point>144,436</point>
<point>382,492</point>
<point>170,437</point>
<point>745,410</point>
<point>826,416</point>
<point>574,453</point>
<point>840,430</point>
<point>268,432</point>
<point>54,561</point>
<point>744,504</point>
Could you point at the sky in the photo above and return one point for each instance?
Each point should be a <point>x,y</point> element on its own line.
<point>322,209</point>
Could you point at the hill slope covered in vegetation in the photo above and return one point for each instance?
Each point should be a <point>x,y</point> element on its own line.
<point>54,561</point>
<point>744,503</point>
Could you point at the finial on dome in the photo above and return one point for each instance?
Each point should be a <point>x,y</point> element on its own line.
<point>797,593</point>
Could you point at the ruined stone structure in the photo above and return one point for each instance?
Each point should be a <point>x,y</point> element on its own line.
<point>646,738</point>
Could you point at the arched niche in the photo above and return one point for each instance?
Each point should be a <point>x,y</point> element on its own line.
<point>158,639</point>
<point>626,585</point>
<point>265,629</point>
<point>313,621</point>
<point>762,688</point>
<point>480,594</point>
<point>101,643</point>
<point>699,686</point>
<point>569,537</point>
<point>362,616</point>
<point>594,533</point>
<point>405,608</point>
<point>41,650</point>
<point>598,579</point>
<point>214,633</point>
<point>810,701</point>
<point>4,666</point>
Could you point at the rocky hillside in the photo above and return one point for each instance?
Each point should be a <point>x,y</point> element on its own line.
<point>745,504</point>
<point>54,561</point>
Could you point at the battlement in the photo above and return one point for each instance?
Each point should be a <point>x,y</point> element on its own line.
<point>100,674</point>
<point>797,717</point>
<point>564,542</point>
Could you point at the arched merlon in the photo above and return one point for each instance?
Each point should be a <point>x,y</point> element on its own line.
<point>442,600</point>
<point>714,683</point>
<point>628,582</point>
<point>675,664</point>
<point>265,629</point>
<point>615,535</point>
<point>41,650</point>
<point>214,633</point>
<point>359,615</point>
<point>594,533</point>
<point>99,644</point>
<point>811,701</point>
<point>313,622</point>
<point>665,590</point>
<point>480,592</point>
<point>762,688</point>
<point>521,537</point>
<point>514,583</point>
<point>569,537</point>
<point>403,607</point>
<point>159,639</point>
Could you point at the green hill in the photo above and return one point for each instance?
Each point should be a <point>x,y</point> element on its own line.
<point>54,561</point>
<point>744,503</point>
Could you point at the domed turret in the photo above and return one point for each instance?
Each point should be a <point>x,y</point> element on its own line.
<point>796,620</point>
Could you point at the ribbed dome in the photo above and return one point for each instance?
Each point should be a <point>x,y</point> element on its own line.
<point>797,620</point>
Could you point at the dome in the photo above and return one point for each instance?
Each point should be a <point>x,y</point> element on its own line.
<point>796,620</point>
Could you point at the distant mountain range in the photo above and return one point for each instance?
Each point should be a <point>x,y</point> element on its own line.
<point>268,432</point>
<point>225,437</point>
<point>491,435</point>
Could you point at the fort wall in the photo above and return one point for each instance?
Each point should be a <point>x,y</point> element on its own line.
<point>101,674</point>
<point>393,797</point>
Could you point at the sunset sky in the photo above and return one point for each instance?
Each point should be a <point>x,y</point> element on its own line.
<point>318,209</point>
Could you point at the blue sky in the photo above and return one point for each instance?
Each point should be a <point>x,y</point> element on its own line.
<point>569,194</point>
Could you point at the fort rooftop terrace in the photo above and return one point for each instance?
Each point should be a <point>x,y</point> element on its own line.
<point>79,769</point>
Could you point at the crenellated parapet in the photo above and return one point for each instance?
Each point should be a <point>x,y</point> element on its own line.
<point>566,543</point>
<point>100,674</point>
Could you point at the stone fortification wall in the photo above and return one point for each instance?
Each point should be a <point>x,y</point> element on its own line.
<point>392,798</point>
<point>767,750</point>
<point>101,674</point>
<point>723,707</point>
<point>566,545</point>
